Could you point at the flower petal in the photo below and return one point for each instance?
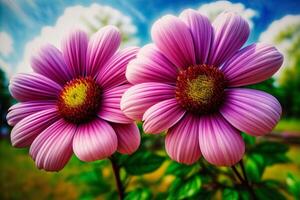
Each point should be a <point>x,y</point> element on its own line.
<point>202,33</point>
<point>52,149</point>
<point>101,47</point>
<point>174,39</point>
<point>95,141</point>
<point>151,66</point>
<point>253,64</point>
<point>137,99</point>
<point>231,31</point>
<point>220,143</point>
<point>162,116</point>
<point>113,73</point>
<point>51,64</point>
<point>74,49</point>
<point>128,137</point>
<point>182,140</point>
<point>110,106</point>
<point>25,131</point>
<point>30,87</point>
<point>251,111</point>
<point>21,110</point>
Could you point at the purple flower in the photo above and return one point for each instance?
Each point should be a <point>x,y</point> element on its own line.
<point>188,82</point>
<point>71,103</point>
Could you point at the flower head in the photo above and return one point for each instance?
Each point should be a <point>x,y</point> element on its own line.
<point>188,82</point>
<point>71,103</point>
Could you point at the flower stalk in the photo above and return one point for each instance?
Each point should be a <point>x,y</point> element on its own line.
<point>244,180</point>
<point>116,171</point>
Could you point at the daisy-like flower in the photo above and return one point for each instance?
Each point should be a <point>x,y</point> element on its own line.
<point>188,82</point>
<point>71,102</point>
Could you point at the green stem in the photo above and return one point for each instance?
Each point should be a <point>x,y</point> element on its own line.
<point>246,182</point>
<point>116,171</point>
<point>236,172</point>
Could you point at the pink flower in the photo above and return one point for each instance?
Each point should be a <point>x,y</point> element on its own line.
<point>187,83</point>
<point>71,103</point>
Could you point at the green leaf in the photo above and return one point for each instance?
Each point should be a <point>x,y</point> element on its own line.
<point>205,194</point>
<point>230,194</point>
<point>270,148</point>
<point>244,195</point>
<point>178,169</point>
<point>250,140</point>
<point>293,186</point>
<point>265,191</point>
<point>120,158</point>
<point>175,185</point>
<point>143,162</point>
<point>139,194</point>
<point>272,152</point>
<point>275,159</point>
<point>255,167</point>
<point>185,189</point>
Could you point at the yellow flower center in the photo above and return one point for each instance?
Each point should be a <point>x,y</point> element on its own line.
<point>75,95</point>
<point>79,100</point>
<point>200,89</point>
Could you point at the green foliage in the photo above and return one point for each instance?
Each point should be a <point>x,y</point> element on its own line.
<point>5,100</point>
<point>182,189</point>
<point>255,167</point>
<point>248,139</point>
<point>270,148</point>
<point>142,162</point>
<point>293,185</point>
<point>262,155</point>
<point>288,125</point>
<point>289,82</point>
<point>268,190</point>
<point>178,169</point>
<point>139,194</point>
<point>230,194</point>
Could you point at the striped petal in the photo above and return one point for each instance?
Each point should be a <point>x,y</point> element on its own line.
<point>95,141</point>
<point>202,33</point>
<point>74,49</point>
<point>253,64</point>
<point>110,105</point>
<point>162,116</point>
<point>101,47</point>
<point>128,137</point>
<point>52,149</point>
<point>21,110</point>
<point>182,140</point>
<point>113,73</point>
<point>151,66</point>
<point>251,111</point>
<point>231,31</point>
<point>50,63</point>
<point>173,38</point>
<point>137,99</point>
<point>220,143</point>
<point>30,87</point>
<point>23,134</point>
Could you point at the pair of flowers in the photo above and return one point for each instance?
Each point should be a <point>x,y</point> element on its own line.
<point>85,98</point>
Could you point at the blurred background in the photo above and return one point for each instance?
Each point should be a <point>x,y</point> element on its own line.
<point>272,162</point>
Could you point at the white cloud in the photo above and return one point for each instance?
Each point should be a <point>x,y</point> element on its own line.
<point>89,19</point>
<point>6,42</point>
<point>212,10</point>
<point>284,34</point>
<point>6,68</point>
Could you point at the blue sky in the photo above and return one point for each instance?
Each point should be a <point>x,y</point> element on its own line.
<point>24,19</point>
